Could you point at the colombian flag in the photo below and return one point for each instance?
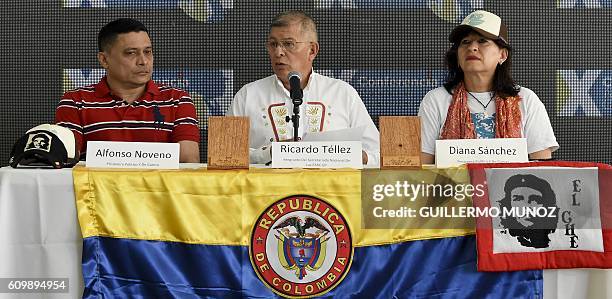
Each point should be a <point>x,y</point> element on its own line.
<point>192,233</point>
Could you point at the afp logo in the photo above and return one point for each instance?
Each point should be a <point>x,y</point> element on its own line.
<point>301,247</point>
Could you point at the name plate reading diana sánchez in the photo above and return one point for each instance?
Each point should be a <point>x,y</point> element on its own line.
<point>454,152</point>
<point>317,154</point>
<point>113,154</point>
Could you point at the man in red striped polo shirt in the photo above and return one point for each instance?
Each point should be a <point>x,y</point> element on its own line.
<point>126,105</point>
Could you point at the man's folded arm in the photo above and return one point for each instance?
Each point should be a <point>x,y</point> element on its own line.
<point>189,152</point>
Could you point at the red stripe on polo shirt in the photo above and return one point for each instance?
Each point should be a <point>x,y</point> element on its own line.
<point>161,114</point>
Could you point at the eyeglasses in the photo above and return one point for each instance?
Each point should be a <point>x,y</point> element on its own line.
<point>287,45</point>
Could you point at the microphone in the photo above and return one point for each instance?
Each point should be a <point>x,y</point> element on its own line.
<point>295,90</point>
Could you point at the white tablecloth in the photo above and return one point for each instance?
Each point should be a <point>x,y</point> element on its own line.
<point>39,231</point>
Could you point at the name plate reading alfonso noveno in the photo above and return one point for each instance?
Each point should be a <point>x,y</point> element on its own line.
<point>317,154</point>
<point>151,155</point>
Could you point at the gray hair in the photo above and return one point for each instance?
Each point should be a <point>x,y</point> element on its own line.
<point>290,17</point>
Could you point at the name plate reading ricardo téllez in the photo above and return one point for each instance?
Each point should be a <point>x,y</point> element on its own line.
<point>454,152</point>
<point>317,154</point>
<point>113,154</point>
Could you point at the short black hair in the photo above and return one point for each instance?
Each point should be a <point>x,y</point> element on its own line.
<point>530,181</point>
<point>108,33</point>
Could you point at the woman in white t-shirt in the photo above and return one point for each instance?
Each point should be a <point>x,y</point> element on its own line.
<point>480,99</point>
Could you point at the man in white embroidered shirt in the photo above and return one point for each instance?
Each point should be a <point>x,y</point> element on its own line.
<point>328,104</point>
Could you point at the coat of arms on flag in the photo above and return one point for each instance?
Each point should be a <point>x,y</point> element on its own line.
<point>299,250</point>
<point>301,246</point>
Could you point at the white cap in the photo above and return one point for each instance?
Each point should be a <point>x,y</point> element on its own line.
<point>487,24</point>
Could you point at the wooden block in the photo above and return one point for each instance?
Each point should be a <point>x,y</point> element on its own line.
<point>228,142</point>
<point>400,142</point>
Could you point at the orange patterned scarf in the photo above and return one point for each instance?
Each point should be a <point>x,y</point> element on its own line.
<point>459,125</point>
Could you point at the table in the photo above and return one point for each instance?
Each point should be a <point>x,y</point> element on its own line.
<point>40,238</point>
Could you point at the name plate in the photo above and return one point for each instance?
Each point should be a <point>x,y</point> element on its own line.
<point>317,154</point>
<point>152,155</point>
<point>454,152</point>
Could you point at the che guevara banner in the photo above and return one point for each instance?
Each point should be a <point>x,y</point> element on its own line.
<point>265,233</point>
<point>551,215</point>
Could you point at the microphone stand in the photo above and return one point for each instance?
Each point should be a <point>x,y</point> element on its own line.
<point>295,118</point>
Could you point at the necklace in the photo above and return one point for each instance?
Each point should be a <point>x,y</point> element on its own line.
<point>492,94</point>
